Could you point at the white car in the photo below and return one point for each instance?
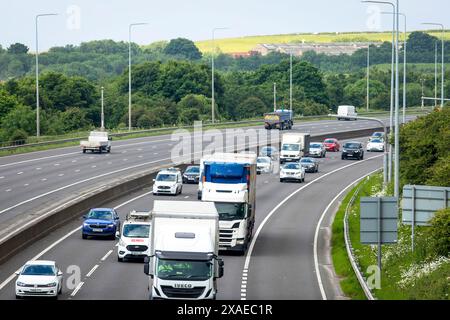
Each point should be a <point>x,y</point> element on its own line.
<point>317,149</point>
<point>39,278</point>
<point>264,165</point>
<point>134,241</point>
<point>292,172</point>
<point>168,181</point>
<point>375,145</point>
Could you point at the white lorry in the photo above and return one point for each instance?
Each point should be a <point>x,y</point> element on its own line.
<point>294,146</point>
<point>184,262</point>
<point>229,180</point>
<point>98,141</point>
<point>347,111</point>
<point>134,240</point>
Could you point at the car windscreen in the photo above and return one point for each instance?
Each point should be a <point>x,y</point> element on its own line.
<point>291,166</point>
<point>376,141</point>
<point>291,147</point>
<point>307,160</point>
<point>329,141</point>
<point>193,170</point>
<point>315,146</point>
<point>262,160</point>
<point>99,214</point>
<point>38,270</point>
<point>136,230</point>
<point>351,146</point>
<point>166,177</point>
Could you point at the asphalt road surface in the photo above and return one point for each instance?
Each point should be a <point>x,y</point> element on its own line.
<point>281,264</point>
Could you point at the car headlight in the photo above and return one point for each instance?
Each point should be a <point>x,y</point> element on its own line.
<point>21,284</point>
<point>110,225</point>
<point>85,224</point>
<point>53,284</point>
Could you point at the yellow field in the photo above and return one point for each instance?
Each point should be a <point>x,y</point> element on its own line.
<point>245,44</point>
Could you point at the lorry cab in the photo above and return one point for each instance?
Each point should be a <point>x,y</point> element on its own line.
<point>184,262</point>
<point>134,240</point>
<point>347,111</point>
<point>229,180</point>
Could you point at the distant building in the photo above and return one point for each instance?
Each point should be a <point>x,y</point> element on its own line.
<point>298,49</point>
<point>245,54</point>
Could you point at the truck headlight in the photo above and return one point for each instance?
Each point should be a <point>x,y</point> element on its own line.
<point>121,243</point>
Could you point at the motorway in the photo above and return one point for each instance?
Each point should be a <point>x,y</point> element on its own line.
<point>37,182</point>
<point>288,258</point>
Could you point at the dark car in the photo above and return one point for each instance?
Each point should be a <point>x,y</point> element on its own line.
<point>311,165</point>
<point>191,174</point>
<point>353,149</point>
<point>101,222</point>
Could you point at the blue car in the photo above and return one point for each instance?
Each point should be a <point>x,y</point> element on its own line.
<point>101,222</point>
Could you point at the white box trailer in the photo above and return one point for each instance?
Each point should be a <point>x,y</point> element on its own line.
<point>294,146</point>
<point>184,262</point>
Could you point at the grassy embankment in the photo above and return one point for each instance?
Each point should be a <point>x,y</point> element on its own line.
<point>405,274</point>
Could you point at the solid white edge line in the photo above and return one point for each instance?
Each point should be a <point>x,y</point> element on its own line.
<point>271,213</point>
<point>316,234</point>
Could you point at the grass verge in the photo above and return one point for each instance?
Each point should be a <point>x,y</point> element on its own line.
<point>418,275</point>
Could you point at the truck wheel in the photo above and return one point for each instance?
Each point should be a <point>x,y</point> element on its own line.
<point>84,150</point>
<point>100,150</point>
<point>109,150</point>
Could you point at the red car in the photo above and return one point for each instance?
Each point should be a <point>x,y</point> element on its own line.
<point>332,144</point>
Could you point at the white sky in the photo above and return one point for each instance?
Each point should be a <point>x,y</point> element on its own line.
<point>194,19</point>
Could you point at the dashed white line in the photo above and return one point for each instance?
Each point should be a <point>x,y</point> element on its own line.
<point>2,177</point>
<point>78,170</point>
<point>92,271</point>
<point>77,289</point>
<point>26,184</point>
<point>19,173</point>
<point>61,174</point>
<point>38,168</point>
<point>94,167</point>
<point>106,255</point>
<point>186,197</point>
<point>8,190</point>
<point>56,164</point>
<point>44,179</point>
<point>73,161</point>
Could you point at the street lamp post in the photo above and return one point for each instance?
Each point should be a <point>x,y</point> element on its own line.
<point>391,109</point>
<point>435,73</point>
<point>423,92</point>
<point>368,77</point>
<point>212,73</point>
<point>290,83</point>
<point>103,111</point>
<point>443,57</point>
<point>274,96</point>
<point>129,69</point>
<point>38,129</point>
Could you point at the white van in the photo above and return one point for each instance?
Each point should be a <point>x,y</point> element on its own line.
<point>347,111</point>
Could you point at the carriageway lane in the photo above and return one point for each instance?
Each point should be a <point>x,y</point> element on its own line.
<point>30,182</point>
<point>114,280</point>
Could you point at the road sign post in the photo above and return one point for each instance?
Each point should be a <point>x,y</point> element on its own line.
<point>378,222</point>
<point>420,203</point>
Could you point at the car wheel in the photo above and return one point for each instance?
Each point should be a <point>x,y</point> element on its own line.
<point>342,158</point>
<point>281,180</point>
<point>84,236</point>
<point>18,297</point>
<point>60,290</point>
<point>119,259</point>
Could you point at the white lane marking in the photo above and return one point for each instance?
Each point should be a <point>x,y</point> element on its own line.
<point>92,271</point>
<point>77,289</point>
<point>316,235</point>
<point>8,190</point>
<point>2,177</point>
<point>19,173</point>
<point>94,166</point>
<point>61,174</point>
<point>44,179</point>
<point>140,156</point>
<point>57,242</point>
<point>155,153</point>
<point>271,213</point>
<point>106,255</point>
<point>78,170</point>
<point>73,161</point>
<point>125,159</point>
<point>56,164</point>
<point>26,184</point>
<point>38,168</point>
<point>186,197</point>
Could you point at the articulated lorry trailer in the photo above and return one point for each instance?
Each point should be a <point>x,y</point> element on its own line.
<point>279,119</point>
<point>229,180</point>
<point>184,262</point>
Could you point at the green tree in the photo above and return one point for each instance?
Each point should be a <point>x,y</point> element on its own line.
<point>20,118</point>
<point>17,48</point>
<point>184,48</point>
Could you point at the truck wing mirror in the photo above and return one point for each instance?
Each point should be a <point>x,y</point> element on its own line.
<point>147,265</point>
<point>221,270</point>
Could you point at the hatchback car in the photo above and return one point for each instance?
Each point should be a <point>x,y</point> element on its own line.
<point>101,222</point>
<point>332,145</point>
<point>268,151</point>
<point>191,174</point>
<point>353,150</point>
<point>39,278</point>
<point>292,172</point>
<point>264,165</point>
<point>317,149</point>
<point>377,135</point>
<point>376,145</point>
<point>310,165</point>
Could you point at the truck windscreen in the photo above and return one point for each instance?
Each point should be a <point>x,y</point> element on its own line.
<point>230,211</point>
<point>291,147</point>
<point>184,270</point>
<point>227,173</point>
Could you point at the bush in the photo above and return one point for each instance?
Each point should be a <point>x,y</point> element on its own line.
<point>19,136</point>
<point>439,232</point>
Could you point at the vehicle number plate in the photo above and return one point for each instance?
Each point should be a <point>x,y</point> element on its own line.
<point>136,253</point>
<point>97,230</point>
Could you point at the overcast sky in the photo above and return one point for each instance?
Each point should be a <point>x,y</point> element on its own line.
<point>85,20</point>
